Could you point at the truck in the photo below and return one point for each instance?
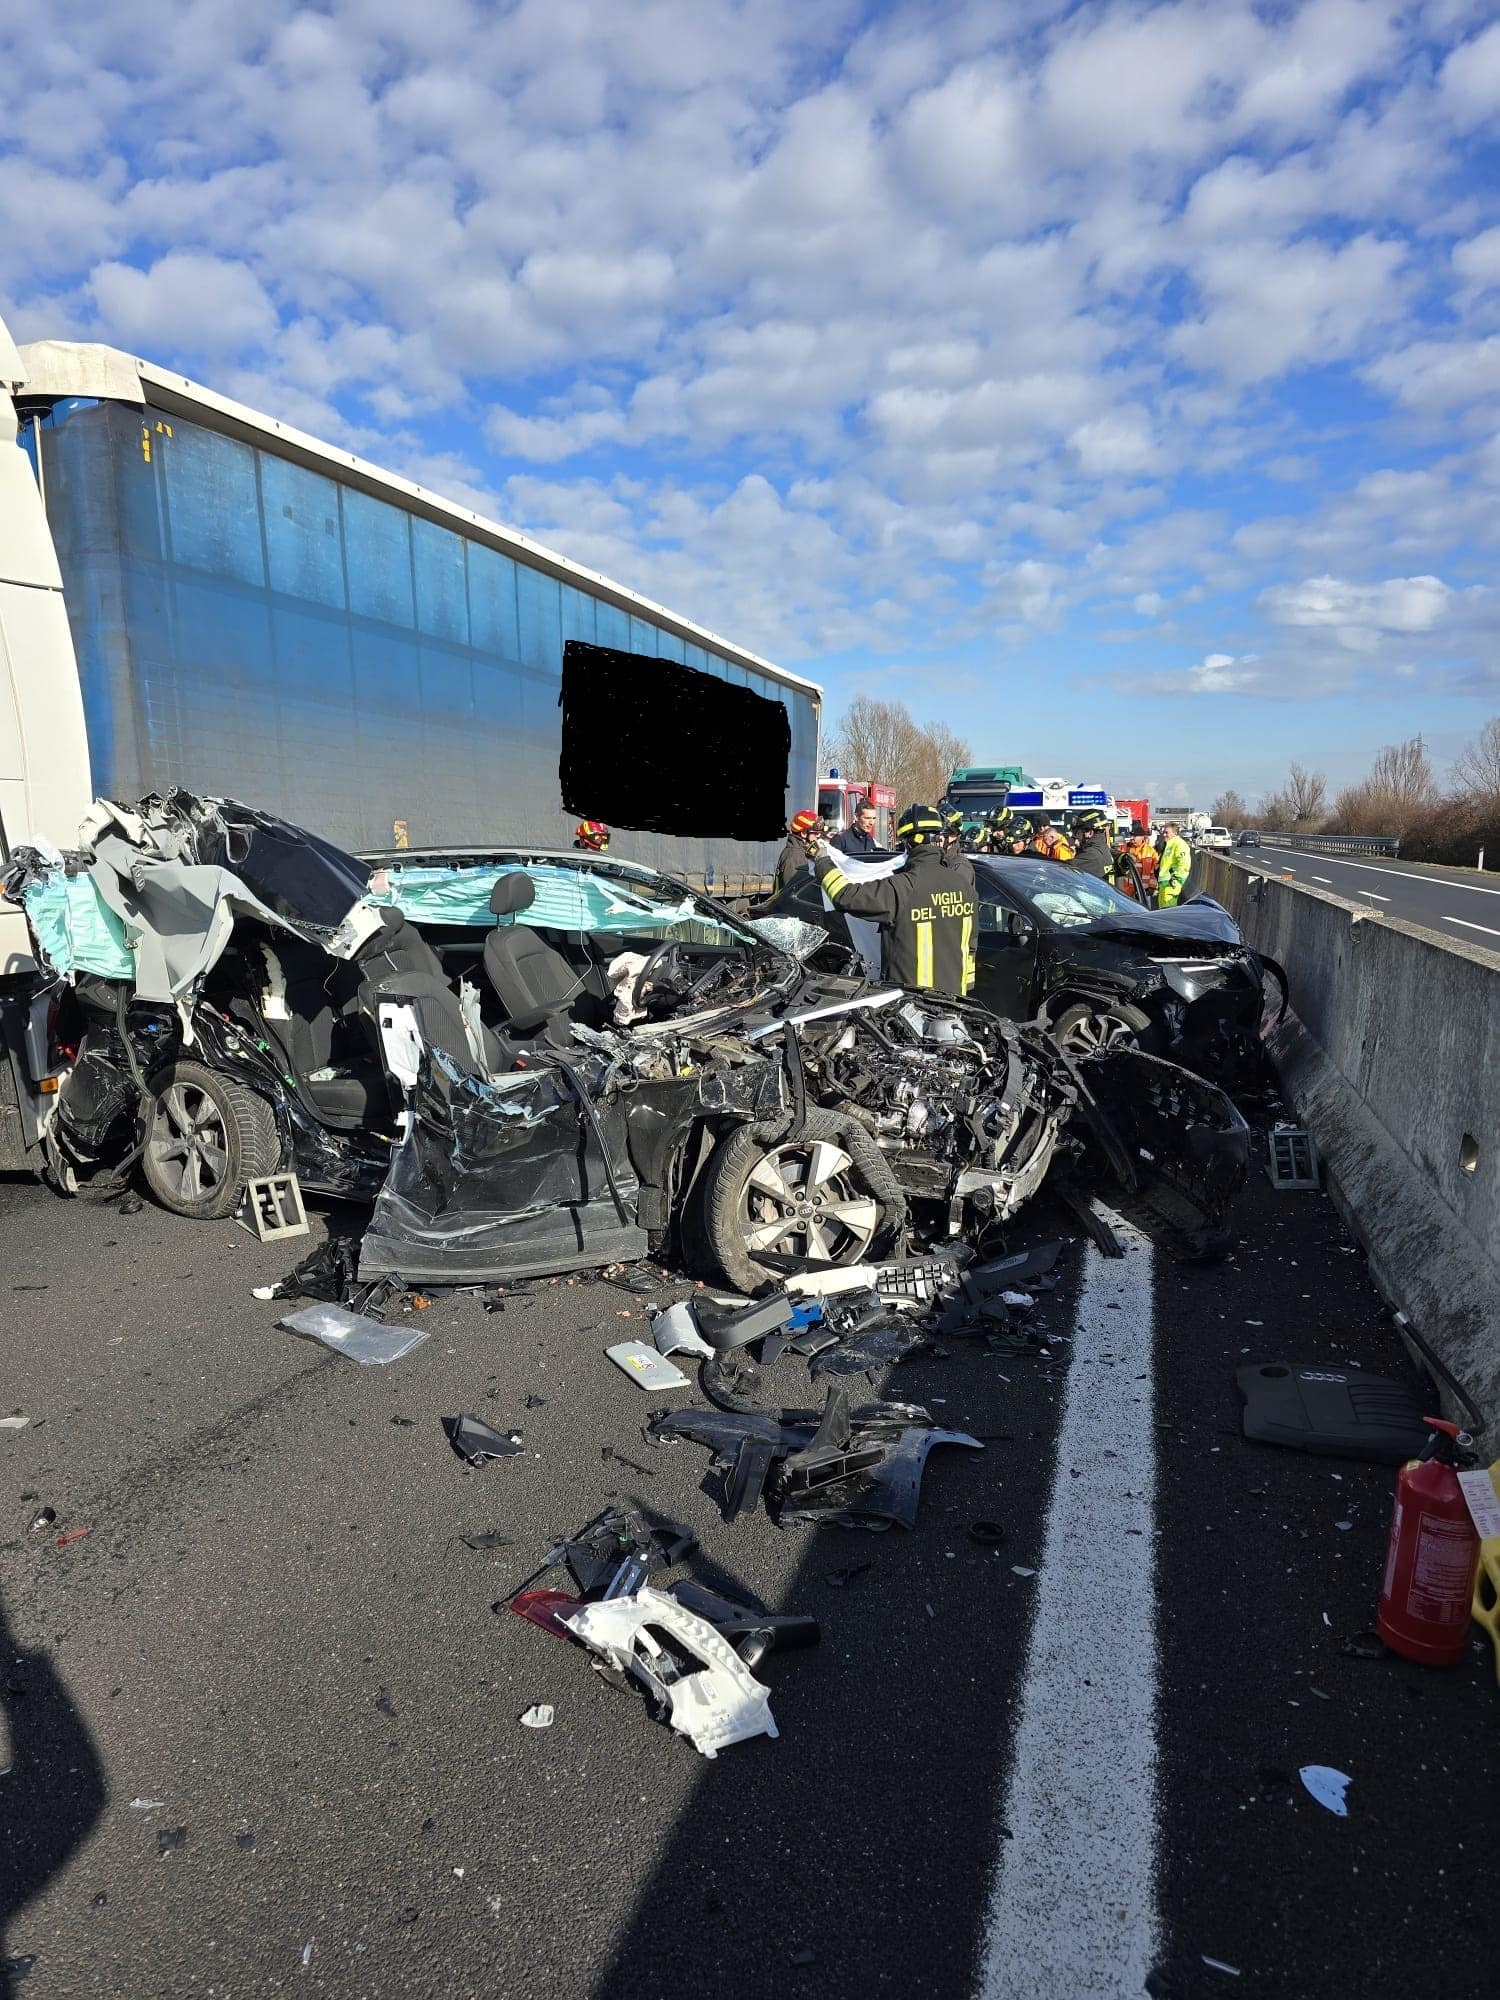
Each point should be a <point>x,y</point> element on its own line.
<point>976,790</point>
<point>1130,811</point>
<point>193,593</point>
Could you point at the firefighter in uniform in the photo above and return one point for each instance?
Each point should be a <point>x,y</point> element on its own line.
<point>591,836</point>
<point>927,911</point>
<point>1095,856</point>
<point>1176,866</point>
<point>1000,829</point>
<point>793,856</point>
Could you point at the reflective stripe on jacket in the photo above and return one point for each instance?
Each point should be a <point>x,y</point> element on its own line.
<point>927,912</point>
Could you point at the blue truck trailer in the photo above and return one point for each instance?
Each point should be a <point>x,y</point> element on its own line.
<point>259,615</point>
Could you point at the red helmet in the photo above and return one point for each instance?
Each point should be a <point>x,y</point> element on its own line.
<point>804,821</point>
<point>592,834</point>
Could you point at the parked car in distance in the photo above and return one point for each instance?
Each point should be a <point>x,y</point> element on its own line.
<point>1247,837</point>
<point>1215,836</point>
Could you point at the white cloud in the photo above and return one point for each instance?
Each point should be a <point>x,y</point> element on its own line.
<point>1434,376</point>
<point>1477,261</point>
<point>1360,614</point>
<point>207,305</point>
<point>1470,78</point>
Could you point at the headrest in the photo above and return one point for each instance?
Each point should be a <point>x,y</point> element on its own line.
<point>512,892</point>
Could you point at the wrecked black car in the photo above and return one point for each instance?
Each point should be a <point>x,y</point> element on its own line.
<point>535,1062</point>
<point>1100,971</point>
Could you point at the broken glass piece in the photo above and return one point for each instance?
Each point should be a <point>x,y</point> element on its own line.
<point>345,1332</point>
<point>169,1838</point>
<point>489,1539</point>
<point>477,1442</point>
<point>540,1715</point>
<point>1328,1786</point>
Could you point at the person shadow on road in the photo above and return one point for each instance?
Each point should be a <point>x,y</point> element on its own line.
<point>51,1787</point>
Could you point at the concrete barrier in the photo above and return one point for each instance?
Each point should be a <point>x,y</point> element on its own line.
<point>1392,1058</point>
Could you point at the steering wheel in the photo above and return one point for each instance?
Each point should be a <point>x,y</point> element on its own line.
<point>645,978</point>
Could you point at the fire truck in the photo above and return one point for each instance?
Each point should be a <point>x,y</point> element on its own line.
<point>838,797</point>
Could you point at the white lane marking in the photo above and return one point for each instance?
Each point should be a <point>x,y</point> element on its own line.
<point>1468,926</point>
<point>1072,1908</point>
<point>1373,897</point>
<point>1326,880</point>
<point>1372,868</point>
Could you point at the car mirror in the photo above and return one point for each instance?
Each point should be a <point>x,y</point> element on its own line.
<point>1018,927</point>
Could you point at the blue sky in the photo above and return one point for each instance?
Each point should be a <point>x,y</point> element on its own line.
<point>1119,384</point>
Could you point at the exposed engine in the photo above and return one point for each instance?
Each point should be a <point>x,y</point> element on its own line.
<point>961,1104</point>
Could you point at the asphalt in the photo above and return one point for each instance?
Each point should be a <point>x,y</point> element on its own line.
<point>1454,903</point>
<point>274,1631</point>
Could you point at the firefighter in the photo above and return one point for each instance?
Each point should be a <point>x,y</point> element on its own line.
<point>1094,855</point>
<point>591,836</point>
<point>927,911</point>
<point>1000,829</point>
<point>1139,849</point>
<point>1176,866</point>
<point>953,830</point>
<point>1051,843</point>
<point>793,856</point>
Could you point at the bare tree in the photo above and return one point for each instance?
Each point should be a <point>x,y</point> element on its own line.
<point>942,751</point>
<point>1229,809</point>
<point>879,741</point>
<point>1401,783</point>
<point>1476,770</point>
<point>1308,792</point>
<point>1277,811</point>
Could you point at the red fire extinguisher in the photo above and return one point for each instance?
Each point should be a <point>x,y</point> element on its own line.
<point>1433,1552</point>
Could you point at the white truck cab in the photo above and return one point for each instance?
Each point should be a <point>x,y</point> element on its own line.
<point>45,784</point>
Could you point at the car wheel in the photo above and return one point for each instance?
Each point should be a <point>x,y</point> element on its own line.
<point>803,1197</point>
<point>1085,1029</point>
<point>208,1137</point>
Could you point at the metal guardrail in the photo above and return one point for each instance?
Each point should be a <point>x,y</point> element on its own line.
<point>1336,843</point>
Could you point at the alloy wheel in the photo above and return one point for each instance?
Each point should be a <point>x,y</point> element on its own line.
<point>189,1145</point>
<point>803,1199</point>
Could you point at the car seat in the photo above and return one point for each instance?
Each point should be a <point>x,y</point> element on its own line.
<point>533,982</point>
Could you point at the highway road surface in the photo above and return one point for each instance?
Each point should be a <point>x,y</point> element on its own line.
<point>259,1725</point>
<point>1454,902</point>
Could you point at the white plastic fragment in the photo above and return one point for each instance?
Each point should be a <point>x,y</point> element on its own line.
<point>1328,1786</point>
<point>540,1715</point>
<point>645,1367</point>
<point>717,1704</point>
<point>1218,1965</point>
<point>306,1956</point>
<point>836,1278</point>
<point>14,1423</point>
<point>147,1805</point>
<point>675,1331</point>
<point>1016,1570</point>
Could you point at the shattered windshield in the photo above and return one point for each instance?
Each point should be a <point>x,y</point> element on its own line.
<point>1063,896</point>
<point>567,899</point>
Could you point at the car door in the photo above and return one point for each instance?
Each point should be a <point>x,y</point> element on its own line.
<point>1009,943</point>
